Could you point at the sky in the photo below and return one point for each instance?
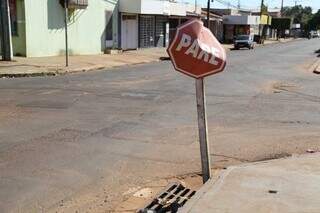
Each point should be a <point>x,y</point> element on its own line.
<point>254,4</point>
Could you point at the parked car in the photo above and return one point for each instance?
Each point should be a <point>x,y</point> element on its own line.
<point>314,34</point>
<point>244,41</point>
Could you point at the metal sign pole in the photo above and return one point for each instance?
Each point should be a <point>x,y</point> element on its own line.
<point>203,132</point>
<point>66,30</point>
<point>214,62</point>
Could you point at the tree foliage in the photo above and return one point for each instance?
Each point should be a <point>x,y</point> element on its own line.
<point>281,23</point>
<point>314,22</point>
<point>303,16</point>
<point>300,15</point>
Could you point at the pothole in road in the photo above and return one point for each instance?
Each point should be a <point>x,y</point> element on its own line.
<point>273,191</point>
<point>282,86</point>
<point>278,87</point>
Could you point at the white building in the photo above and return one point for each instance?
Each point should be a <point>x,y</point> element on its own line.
<point>150,23</point>
<point>240,24</point>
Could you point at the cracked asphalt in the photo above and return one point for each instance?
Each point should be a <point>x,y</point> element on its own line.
<point>79,142</point>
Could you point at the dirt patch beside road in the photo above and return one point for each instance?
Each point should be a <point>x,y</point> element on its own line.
<point>132,199</point>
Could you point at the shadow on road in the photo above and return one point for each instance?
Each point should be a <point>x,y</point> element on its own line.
<point>240,49</point>
<point>164,58</point>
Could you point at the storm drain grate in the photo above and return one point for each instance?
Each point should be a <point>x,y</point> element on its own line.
<point>169,200</point>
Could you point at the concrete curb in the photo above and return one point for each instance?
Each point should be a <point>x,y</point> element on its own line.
<point>315,67</point>
<point>62,71</point>
<point>22,75</point>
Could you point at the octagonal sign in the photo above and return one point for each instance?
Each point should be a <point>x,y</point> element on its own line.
<point>195,51</point>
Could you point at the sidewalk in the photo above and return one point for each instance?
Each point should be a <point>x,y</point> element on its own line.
<point>278,186</point>
<point>42,66</point>
<point>55,65</point>
<point>315,67</point>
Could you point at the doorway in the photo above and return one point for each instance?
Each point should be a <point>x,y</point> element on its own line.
<point>129,32</point>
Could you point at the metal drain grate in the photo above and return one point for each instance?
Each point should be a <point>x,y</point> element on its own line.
<point>170,200</point>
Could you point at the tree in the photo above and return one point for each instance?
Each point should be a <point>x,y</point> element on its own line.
<point>314,22</point>
<point>300,15</point>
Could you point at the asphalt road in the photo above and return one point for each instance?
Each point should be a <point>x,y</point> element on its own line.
<point>80,141</point>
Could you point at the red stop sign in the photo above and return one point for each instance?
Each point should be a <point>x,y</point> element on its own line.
<point>195,51</point>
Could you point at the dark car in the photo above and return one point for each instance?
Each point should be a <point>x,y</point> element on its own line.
<point>245,41</point>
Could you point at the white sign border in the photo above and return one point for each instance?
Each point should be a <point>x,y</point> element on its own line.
<point>169,50</point>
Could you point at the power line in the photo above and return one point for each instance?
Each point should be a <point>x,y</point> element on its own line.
<point>229,5</point>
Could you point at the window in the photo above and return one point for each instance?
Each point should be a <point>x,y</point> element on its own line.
<point>109,31</point>
<point>76,4</point>
<point>147,32</point>
<point>79,4</point>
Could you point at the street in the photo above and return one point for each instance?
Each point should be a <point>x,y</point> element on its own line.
<point>75,142</point>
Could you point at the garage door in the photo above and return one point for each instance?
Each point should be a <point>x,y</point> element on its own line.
<point>147,31</point>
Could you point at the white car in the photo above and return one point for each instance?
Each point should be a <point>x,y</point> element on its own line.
<point>314,34</point>
<point>243,41</point>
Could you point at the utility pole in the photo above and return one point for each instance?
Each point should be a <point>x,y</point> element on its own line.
<point>195,6</point>
<point>260,25</point>
<point>66,15</point>
<point>208,14</point>
<point>6,38</point>
<point>281,8</point>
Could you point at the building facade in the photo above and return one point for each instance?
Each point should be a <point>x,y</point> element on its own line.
<point>151,23</point>
<point>239,25</point>
<point>265,24</point>
<point>95,26</point>
<point>38,28</point>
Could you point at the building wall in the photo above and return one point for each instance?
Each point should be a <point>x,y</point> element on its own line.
<point>158,7</point>
<point>266,20</point>
<point>19,39</point>
<point>131,6</point>
<point>241,20</point>
<point>232,12</point>
<point>45,35</point>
